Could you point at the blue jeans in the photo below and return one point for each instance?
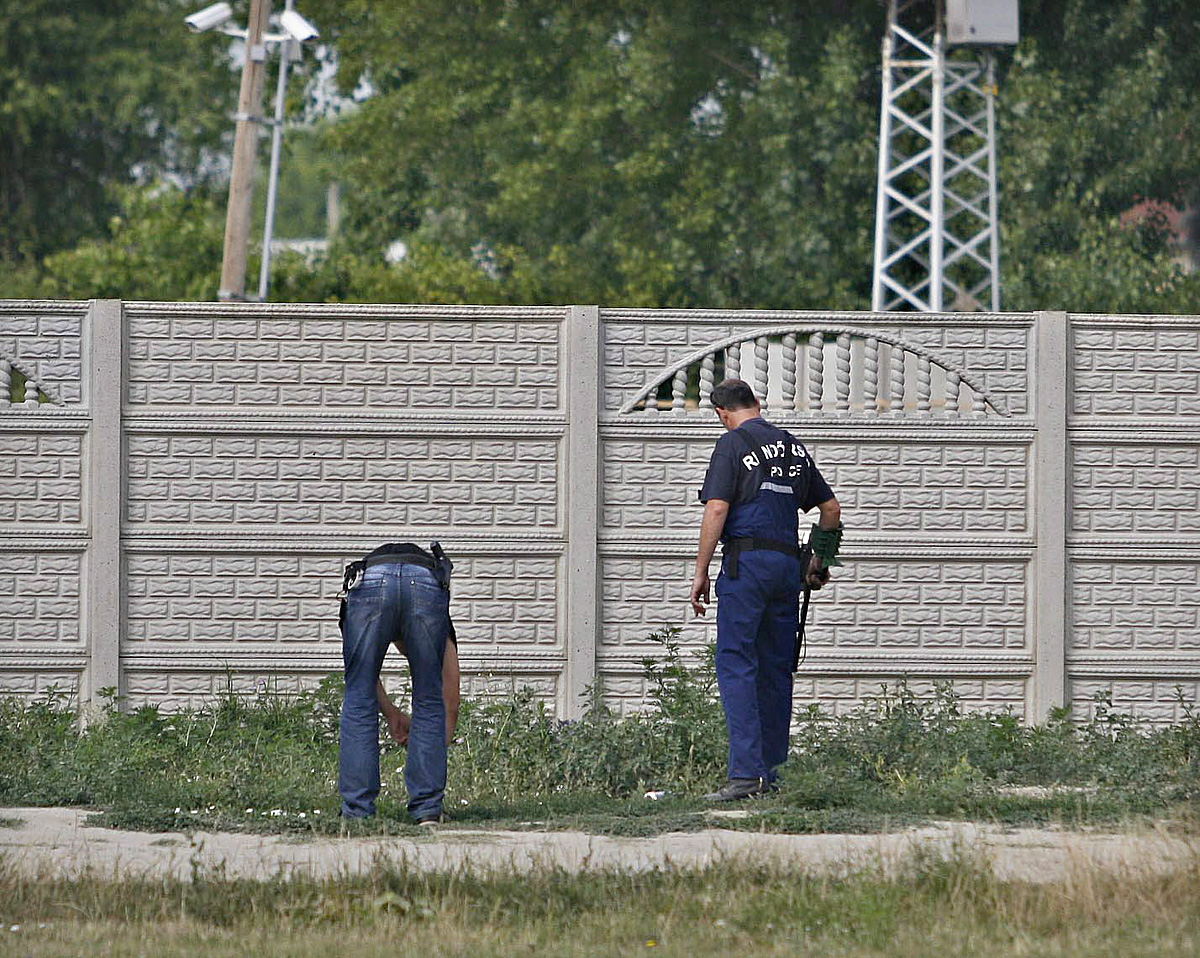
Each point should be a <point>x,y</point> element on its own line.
<point>395,602</point>
<point>757,617</point>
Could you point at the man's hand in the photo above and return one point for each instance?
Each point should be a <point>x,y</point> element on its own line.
<point>700,592</point>
<point>398,724</point>
<point>815,577</point>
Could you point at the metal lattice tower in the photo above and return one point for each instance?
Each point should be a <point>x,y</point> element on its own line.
<point>936,218</point>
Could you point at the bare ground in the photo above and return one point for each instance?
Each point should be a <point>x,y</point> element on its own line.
<point>58,841</point>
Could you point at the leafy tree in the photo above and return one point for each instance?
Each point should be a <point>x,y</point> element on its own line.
<point>1095,112</point>
<point>689,154</point>
<point>165,244</point>
<point>649,154</point>
<point>722,154</point>
<point>97,93</point>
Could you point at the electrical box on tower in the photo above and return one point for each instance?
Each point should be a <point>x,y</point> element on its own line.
<point>981,21</point>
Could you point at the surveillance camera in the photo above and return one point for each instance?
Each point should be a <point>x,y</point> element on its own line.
<point>209,18</point>
<point>296,26</point>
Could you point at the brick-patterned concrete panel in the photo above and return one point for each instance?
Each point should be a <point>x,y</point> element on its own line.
<point>908,606</point>
<point>184,601</point>
<point>641,596</point>
<point>470,363</point>
<point>1139,607</point>
<point>172,691</point>
<point>1121,488</point>
<point>506,602</point>
<point>47,340</point>
<point>43,685</point>
<point>342,481</point>
<point>883,487</point>
<point>628,692</point>
<point>39,601</point>
<point>1136,369</point>
<point>1159,702</point>
<point>41,477</point>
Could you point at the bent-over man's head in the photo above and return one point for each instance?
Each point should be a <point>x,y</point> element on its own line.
<point>734,402</point>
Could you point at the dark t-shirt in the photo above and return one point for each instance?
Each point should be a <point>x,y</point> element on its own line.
<point>765,475</point>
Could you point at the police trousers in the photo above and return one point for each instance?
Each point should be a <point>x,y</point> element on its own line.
<point>757,618</point>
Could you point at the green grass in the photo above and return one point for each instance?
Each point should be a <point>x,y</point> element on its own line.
<point>267,763</point>
<point>927,906</point>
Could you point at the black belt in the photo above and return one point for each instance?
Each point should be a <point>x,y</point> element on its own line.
<point>401,552</point>
<point>733,547</point>
<point>418,557</point>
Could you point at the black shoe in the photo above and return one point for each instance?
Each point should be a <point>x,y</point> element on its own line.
<point>432,821</point>
<point>736,789</point>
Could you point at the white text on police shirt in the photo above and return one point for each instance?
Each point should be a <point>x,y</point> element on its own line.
<point>776,450</point>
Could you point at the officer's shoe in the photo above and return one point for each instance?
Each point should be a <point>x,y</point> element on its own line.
<point>736,789</point>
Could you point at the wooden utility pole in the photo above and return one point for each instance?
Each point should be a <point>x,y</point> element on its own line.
<point>245,151</point>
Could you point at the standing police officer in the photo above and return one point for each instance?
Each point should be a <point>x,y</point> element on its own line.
<point>758,477</point>
<point>398,594</point>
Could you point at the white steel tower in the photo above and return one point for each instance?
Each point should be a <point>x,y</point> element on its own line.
<point>936,215</point>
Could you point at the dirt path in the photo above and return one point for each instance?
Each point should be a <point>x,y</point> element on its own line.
<point>57,840</point>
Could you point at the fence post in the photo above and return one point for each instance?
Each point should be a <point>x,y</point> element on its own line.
<point>580,592</point>
<point>1051,391</point>
<point>102,600</point>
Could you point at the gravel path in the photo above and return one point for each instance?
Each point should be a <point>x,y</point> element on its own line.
<point>57,841</point>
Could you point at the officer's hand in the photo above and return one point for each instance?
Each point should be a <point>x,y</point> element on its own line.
<point>815,577</point>
<point>398,724</point>
<point>700,592</point>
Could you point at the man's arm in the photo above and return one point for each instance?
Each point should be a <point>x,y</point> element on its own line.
<point>451,688</point>
<point>715,513</point>
<point>399,722</point>
<point>830,518</point>
<point>831,513</point>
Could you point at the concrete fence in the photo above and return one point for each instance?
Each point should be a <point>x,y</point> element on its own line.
<point>180,485</point>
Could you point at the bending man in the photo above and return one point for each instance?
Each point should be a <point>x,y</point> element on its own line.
<point>399,594</point>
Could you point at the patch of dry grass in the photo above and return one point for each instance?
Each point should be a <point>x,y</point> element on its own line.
<point>924,906</point>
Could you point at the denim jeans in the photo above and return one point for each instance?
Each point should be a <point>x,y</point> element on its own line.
<point>757,617</point>
<point>394,602</point>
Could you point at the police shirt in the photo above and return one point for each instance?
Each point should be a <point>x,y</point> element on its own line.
<point>765,475</point>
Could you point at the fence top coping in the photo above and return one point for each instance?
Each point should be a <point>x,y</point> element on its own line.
<point>394,311</point>
<point>43,306</point>
<point>818,316</point>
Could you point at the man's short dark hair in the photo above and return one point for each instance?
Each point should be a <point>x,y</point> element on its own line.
<point>734,394</point>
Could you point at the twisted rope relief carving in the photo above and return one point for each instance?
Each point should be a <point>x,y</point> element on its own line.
<point>911,381</point>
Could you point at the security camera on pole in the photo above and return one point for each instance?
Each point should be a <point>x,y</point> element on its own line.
<point>296,30</point>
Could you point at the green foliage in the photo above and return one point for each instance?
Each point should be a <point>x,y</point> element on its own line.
<point>1091,114</point>
<point>516,747</point>
<point>94,94</point>
<point>724,155</point>
<point>165,243</point>
<point>267,761</point>
<point>689,155</point>
<point>627,154</point>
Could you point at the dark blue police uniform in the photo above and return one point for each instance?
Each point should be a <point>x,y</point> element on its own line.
<point>765,475</point>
